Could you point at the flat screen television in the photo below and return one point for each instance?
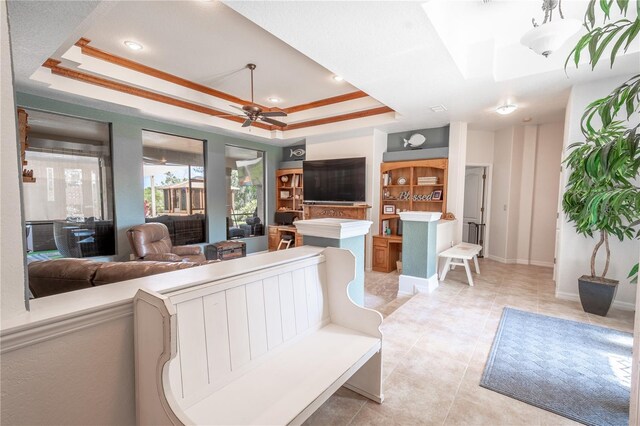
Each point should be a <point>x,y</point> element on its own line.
<point>339,180</point>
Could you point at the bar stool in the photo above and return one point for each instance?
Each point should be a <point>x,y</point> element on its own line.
<point>286,241</point>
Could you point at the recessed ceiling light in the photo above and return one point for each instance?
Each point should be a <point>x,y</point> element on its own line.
<point>133,45</point>
<point>274,100</point>
<point>506,109</point>
<point>526,119</point>
<point>338,77</point>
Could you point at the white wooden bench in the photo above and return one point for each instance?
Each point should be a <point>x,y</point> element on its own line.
<point>464,252</point>
<point>266,347</point>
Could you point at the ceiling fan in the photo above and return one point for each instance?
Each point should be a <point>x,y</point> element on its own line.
<point>253,112</point>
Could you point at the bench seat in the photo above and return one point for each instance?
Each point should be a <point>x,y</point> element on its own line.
<point>272,392</point>
<point>266,347</point>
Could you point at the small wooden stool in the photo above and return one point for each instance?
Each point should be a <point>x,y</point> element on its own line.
<point>464,252</point>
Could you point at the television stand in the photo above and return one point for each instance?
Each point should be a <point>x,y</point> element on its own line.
<point>317,211</point>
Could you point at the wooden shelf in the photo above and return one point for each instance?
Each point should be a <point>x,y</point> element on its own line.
<point>28,179</point>
<point>389,216</point>
<point>386,247</point>
<point>290,204</point>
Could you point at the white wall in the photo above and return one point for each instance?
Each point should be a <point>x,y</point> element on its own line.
<point>545,193</point>
<point>480,147</point>
<point>81,378</point>
<point>500,194</point>
<point>456,173</point>
<point>513,202</point>
<point>12,270</point>
<point>574,250</point>
<point>368,144</point>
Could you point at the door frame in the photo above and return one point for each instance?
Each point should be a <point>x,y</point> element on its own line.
<point>487,201</point>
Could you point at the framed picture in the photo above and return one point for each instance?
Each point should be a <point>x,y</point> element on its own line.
<point>285,194</point>
<point>389,209</point>
<point>436,195</point>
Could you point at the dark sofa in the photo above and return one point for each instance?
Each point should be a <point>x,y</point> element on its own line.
<point>48,277</point>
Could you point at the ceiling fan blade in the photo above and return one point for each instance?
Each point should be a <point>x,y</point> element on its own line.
<point>274,114</point>
<point>247,122</point>
<point>272,121</point>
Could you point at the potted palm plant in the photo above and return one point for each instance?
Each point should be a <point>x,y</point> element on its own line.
<point>602,195</point>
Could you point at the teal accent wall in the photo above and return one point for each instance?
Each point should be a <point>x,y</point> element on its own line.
<point>356,245</point>
<point>419,255</point>
<point>126,143</point>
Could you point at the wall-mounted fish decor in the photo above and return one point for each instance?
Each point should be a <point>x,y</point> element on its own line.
<point>297,152</point>
<point>414,140</point>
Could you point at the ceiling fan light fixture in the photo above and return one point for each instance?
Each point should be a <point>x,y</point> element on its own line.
<point>506,109</point>
<point>133,45</point>
<point>274,99</point>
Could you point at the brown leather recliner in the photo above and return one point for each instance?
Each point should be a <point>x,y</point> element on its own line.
<point>151,241</point>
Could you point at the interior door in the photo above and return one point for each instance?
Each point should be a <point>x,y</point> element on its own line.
<point>473,199</point>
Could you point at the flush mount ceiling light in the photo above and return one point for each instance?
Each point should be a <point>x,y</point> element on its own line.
<point>506,109</point>
<point>133,45</point>
<point>549,36</point>
<point>338,78</point>
<point>274,100</point>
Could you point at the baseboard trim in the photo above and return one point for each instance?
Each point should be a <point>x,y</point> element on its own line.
<point>412,285</point>
<point>540,263</point>
<point>502,259</point>
<point>625,306</point>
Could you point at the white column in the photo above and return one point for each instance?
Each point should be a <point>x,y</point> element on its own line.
<point>12,273</point>
<point>457,164</point>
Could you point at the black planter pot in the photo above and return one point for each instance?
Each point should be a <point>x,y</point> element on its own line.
<point>596,294</point>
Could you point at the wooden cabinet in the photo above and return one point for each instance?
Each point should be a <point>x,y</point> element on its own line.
<point>411,186</point>
<point>289,191</point>
<point>318,211</point>
<point>386,251</point>
<point>276,232</point>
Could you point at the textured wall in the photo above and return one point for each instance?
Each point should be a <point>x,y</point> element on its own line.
<point>12,240</point>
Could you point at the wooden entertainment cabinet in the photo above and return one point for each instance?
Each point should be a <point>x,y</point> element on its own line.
<point>407,188</point>
<point>290,198</point>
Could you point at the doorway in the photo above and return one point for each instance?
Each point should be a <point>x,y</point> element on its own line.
<point>475,212</point>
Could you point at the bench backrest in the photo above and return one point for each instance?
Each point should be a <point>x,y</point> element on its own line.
<point>225,328</point>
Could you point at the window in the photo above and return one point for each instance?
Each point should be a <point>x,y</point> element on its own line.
<point>174,185</point>
<point>69,207</point>
<point>245,192</point>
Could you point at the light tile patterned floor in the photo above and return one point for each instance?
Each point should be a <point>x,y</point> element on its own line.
<point>436,346</point>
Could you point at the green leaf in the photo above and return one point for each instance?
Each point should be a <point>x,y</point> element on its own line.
<point>606,7</point>
<point>635,28</point>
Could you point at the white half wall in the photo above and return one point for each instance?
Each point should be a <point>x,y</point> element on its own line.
<point>12,270</point>
<point>574,250</point>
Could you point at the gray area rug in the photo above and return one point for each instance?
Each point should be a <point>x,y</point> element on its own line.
<point>579,371</point>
